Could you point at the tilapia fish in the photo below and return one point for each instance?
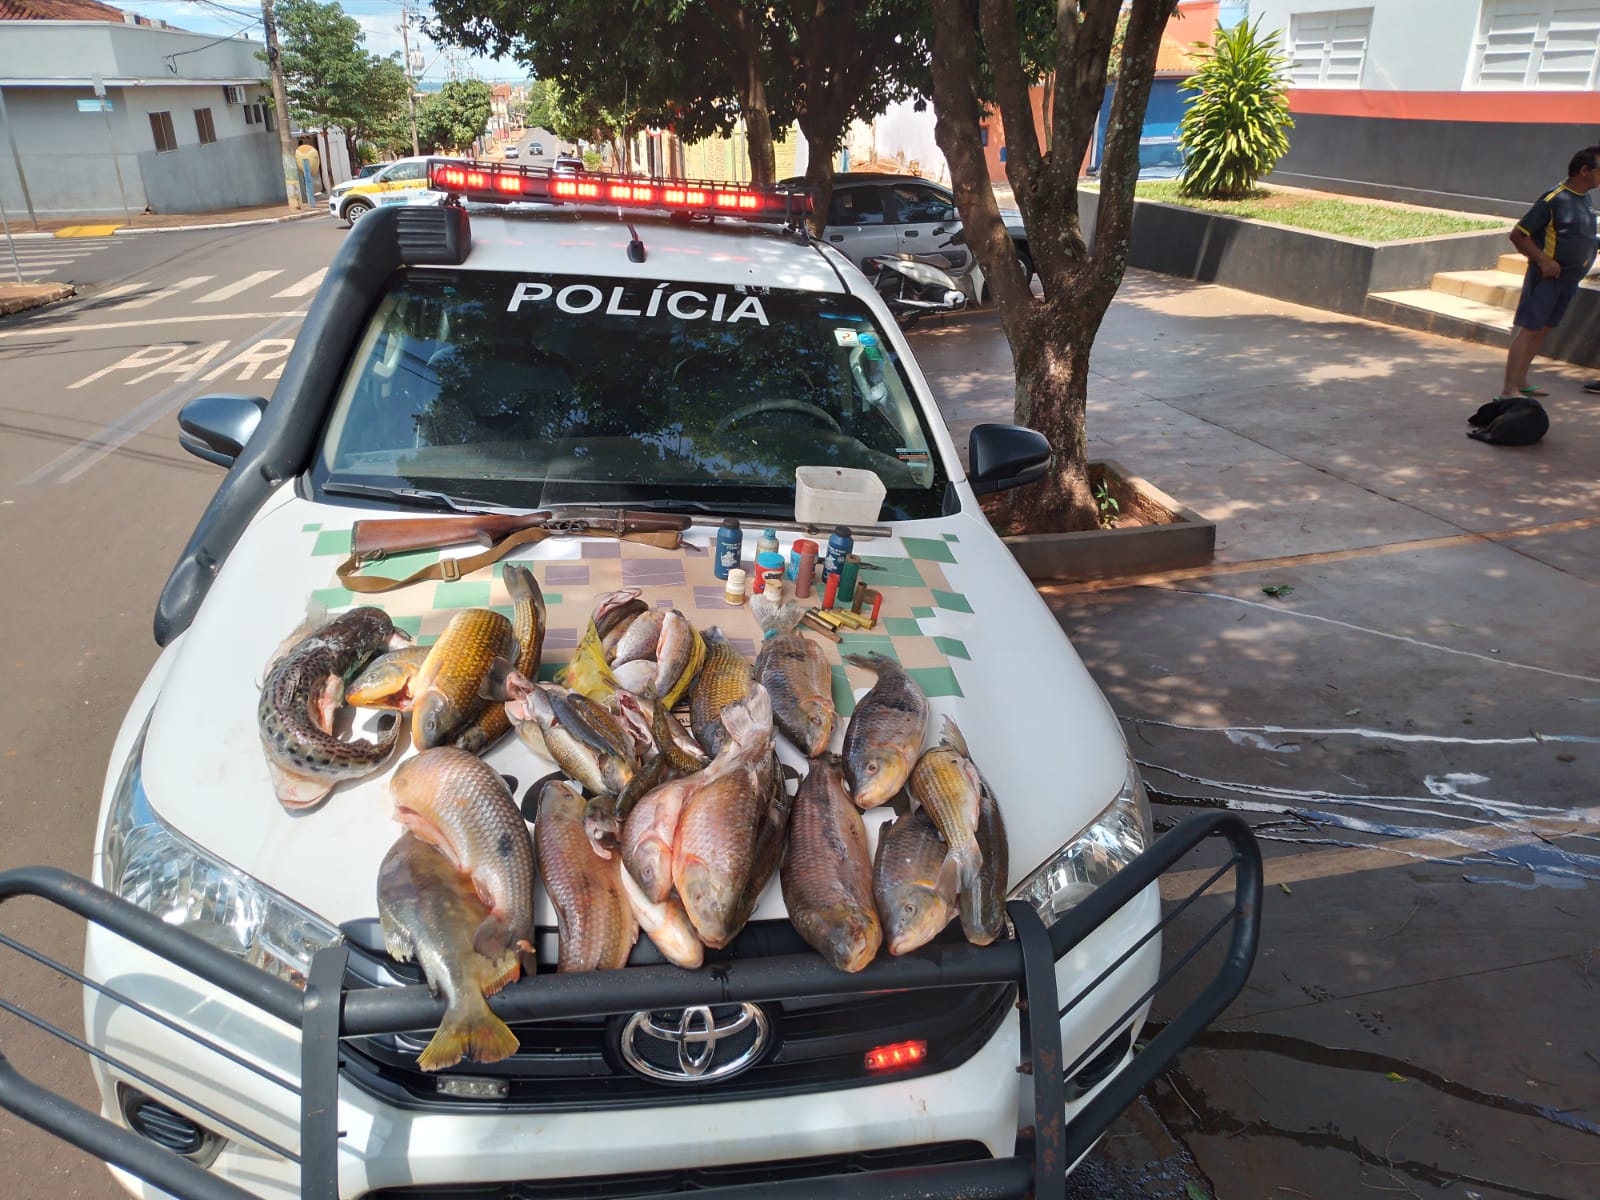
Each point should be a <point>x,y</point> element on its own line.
<point>793,668</point>
<point>448,686</point>
<point>454,800</point>
<point>913,882</point>
<point>714,852</point>
<point>597,927</point>
<point>527,627</point>
<point>666,924</point>
<point>430,913</point>
<point>303,689</point>
<point>723,680</point>
<point>827,873</point>
<point>983,908</point>
<point>581,738</point>
<point>947,785</point>
<point>650,832</point>
<point>885,732</point>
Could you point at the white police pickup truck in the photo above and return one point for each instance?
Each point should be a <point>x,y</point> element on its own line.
<point>671,347</point>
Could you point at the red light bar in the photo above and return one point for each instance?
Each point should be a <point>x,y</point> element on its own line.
<point>503,181</point>
<point>897,1057</point>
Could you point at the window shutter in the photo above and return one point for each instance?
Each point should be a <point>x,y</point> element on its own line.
<point>1550,45</point>
<point>1329,49</point>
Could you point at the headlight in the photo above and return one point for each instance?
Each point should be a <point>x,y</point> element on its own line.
<point>1113,839</point>
<point>148,863</point>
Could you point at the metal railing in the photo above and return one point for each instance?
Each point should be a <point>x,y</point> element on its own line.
<point>325,1012</point>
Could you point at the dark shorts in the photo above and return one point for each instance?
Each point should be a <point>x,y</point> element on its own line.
<point>1544,301</point>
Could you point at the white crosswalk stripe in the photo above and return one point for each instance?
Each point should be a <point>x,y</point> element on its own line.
<point>233,289</point>
<point>40,257</point>
<point>164,293</point>
<point>306,286</point>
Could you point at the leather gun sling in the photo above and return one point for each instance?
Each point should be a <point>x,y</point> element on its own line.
<point>448,570</point>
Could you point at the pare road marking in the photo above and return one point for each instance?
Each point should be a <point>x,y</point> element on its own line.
<point>168,358</point>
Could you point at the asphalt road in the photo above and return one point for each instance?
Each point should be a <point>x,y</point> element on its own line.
<point>96,501</point>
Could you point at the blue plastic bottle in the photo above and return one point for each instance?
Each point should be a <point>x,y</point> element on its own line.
<point>840,543</point>
<point>730,547</point>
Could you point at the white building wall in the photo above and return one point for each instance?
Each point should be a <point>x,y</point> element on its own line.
<point>902,134</point>
<point>1413,45</point>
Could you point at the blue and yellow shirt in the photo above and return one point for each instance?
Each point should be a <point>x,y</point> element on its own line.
<point>1563,225</point>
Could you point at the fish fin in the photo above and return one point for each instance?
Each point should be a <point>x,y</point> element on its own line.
<point>504,682</point>
<point>396,941</point>
<point>775,618</point>
<point>969,862</point>
<point>475,1034</point>
<point>748,719</point>
<point>316,617</point>
<point>948,884</point>
<point>954,738</point>
<point>324,702</point>
<point>500,977</point>
<point>492,936</point>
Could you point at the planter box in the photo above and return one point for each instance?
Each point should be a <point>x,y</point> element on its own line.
<point>1186,539</point>
<point>1321,270</point>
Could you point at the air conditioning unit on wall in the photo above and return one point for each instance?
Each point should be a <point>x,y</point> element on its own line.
<point>232,93</point>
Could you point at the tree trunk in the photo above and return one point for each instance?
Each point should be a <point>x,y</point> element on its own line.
<point>753,102</point>
<point>1051,345</point>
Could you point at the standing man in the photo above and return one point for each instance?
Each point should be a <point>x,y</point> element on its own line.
<point>1557,237</point>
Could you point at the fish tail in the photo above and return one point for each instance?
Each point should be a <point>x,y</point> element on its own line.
<point>949,881</point>
<point>474,1033</point>
<point>492,936</point>
<point>953,737</point>
<point>776,619</point>
<point>747,719</point>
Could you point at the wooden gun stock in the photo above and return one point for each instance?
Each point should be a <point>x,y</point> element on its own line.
<point>399,534</point>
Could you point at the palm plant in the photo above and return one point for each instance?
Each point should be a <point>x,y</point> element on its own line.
<point>1235,127</point>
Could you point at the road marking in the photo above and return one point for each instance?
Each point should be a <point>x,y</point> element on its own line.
<point>35,328</point>
<point>1324,864</point>
<point>74,462</point>
<point>164,293</point>
<point>76,231</point>
<point>307,285</point>
<point>233,289</point>
<point>122,290</point>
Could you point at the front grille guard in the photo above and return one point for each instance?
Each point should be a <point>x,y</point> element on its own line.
<point>324,1013</point>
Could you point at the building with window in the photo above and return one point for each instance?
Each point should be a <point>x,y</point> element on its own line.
<point>1466,104</point>
<point>104,113</point>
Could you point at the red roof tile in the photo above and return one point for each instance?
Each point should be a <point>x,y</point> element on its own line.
<point>1191,23</point>
<point>58,10</point>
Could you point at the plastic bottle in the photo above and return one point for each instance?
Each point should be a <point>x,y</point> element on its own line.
<point>840,543</point>
<point>767,543</point>
<point>730,547</point>
<point>733,593</point>
<point>768,562</point>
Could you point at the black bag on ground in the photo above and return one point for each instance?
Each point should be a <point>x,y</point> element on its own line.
<point>1513,421</point>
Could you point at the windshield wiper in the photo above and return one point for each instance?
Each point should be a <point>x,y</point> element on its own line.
<point>422,498</point>
<point>779,516</point>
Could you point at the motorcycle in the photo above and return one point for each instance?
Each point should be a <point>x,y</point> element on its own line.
<point>913,288</point>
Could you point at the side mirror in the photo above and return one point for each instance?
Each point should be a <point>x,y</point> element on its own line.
<point>1005,456</point>
<point>216,428</point>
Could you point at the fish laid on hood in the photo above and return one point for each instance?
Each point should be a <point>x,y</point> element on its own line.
<point>983,908</point>
<point>304,688</point>
<point>795,671</point>
<point>454,800</point>
<point>913,882</point>
<point>449,685</point>
<point>430,913</point>
<point>597,927</point>
<point>713,853</point>
<point>527,628</point>
<point>591,748</point>
<point>885,732</point>
<point>947,785</point>
<point>827,873</point>
<point>666,924</point>
<point>723,680</point>
<point>386,682</point>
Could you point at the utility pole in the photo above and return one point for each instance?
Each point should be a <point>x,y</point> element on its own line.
<point>280,105</point>
<point>411,91</point>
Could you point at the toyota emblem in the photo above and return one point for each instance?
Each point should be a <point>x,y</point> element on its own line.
<point>697,1044</point>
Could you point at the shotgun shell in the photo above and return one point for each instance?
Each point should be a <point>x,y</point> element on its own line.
<point>820,628</point>
<point>830,591</point>
<point>848,571</point>
<point>853,619</point>
<point>831,619</point>
<point>877,604</point>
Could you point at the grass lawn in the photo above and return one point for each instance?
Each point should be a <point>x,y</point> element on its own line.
<point>1348,218</point>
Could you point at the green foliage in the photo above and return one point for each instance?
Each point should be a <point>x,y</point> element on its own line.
<point>1235,126</point>
<point>1107,505</point>
<point>539,112</point>
<point>324,59</point>
<point>452,118</point>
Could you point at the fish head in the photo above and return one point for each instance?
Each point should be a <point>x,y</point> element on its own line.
<point>708,897</point>
<point>913,915</point>
<point>851,935</point>
<point>819,716</point>
<point>876,775</point>
<point>433,720</point>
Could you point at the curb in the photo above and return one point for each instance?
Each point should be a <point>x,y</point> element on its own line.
<point>300,216</point>
<point>37,300</point>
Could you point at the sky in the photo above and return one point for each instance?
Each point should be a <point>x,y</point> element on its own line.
<point>379,20</point>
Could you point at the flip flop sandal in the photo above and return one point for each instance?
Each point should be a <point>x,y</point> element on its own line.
<point>1533,393</point>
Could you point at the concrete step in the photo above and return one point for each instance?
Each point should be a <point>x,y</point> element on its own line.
<point>1495,288</point>
<point>1439,312</point>
<point>1512,264</point>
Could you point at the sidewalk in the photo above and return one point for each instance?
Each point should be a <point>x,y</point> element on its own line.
<point>19,297</point>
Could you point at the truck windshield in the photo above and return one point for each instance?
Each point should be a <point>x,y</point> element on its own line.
<point>533,390</point>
